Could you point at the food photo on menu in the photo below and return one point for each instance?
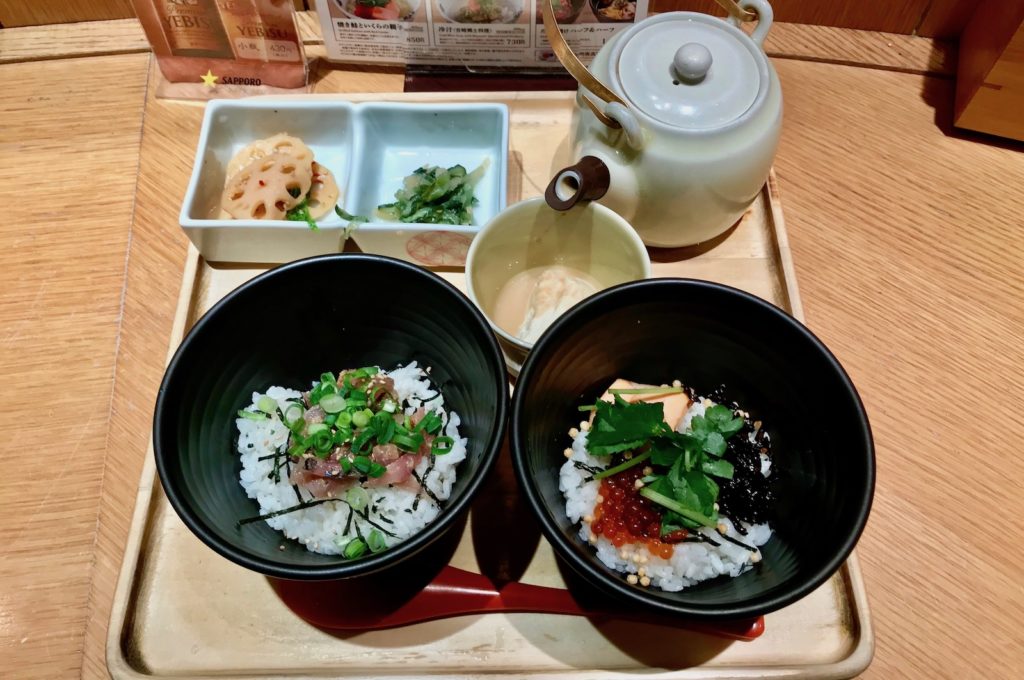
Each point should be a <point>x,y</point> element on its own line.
<point>466,338</point>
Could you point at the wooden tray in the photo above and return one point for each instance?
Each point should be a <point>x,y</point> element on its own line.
<point>181,610</point>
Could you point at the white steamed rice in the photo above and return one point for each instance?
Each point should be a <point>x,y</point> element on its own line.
<point>321,528</point>
<point>690,562</point>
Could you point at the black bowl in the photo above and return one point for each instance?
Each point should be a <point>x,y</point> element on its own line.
<point>286,327</point>
<point>706,335</point>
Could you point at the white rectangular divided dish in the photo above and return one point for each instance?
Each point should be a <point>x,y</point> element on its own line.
<point>370,147</point>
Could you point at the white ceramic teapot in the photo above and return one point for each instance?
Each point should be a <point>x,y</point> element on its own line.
<point>677,123</point>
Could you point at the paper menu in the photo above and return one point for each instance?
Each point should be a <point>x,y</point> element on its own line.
<point>473,33</point>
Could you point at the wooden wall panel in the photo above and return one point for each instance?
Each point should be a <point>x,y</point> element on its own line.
<point>946,18</point>
<point>37,12</point>
<point>871,15</point>
<point>932,18</point>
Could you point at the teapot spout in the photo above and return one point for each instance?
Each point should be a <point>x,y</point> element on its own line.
<point>587,180</point>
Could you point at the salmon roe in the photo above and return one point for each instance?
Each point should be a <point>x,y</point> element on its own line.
<point>624,516</point>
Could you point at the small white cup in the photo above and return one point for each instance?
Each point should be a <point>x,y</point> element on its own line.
<point>588,237</point>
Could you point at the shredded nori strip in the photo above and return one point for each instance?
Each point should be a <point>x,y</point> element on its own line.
<point>415,504</point>
<point>300,506</point>
<point>586,468</point>
<point>739,543</point>
<point>348,522</point>
<point>382,518</point>
<point>275,454</point>
<point>373,524</point>
<point>425,490</point>
<point>711,541</point>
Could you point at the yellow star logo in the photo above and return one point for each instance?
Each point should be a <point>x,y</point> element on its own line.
<point>209,80</point>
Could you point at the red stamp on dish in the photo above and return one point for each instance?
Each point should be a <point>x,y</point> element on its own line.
<point>439,248</point>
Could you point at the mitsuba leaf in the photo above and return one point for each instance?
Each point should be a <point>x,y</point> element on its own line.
<point>623,426</point>
<point>671,521</point>
<point>717,414</point>
<point>714,443</point>
<point>718,468</point>
<point>704,489</point>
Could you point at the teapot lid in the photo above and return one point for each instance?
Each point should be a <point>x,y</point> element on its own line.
<point>690,71</point>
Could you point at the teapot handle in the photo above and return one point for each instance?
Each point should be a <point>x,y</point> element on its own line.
<point>576,68</point>
<point>762,11</point>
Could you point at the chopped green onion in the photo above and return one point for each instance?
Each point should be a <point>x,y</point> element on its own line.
<point>431,423</point>
<point>343,435</point>
<point>389,406</point>
<point>407,442</point>
<point>298,449</point>
<point>362,464</point>
<point>587,408</point>
<point>364,437</point>
<point>360,419</point>
<point>357,498</point>
<point>330,419</point>
<point>375,541</point>
<point>328,378</point>
<point>441,445</point>
<point>322,442</point>
<point>292,414</point>
<point>354,549</point>
<point>344,419</point>
<point>333,403</point>
<point>376,469</point>
<point>266,404</point>
<point>346,464</point>
<point>316,428</point>
<point>250,415</point>
<point>635,460</point>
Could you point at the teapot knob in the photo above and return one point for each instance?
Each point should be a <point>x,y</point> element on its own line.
<point>692,62</point>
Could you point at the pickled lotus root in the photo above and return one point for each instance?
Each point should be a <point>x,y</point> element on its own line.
<point>279,143</point>
<point>323,195</point>
<point>267,188</point>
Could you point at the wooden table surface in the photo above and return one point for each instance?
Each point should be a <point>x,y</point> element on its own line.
<point>907,238</point>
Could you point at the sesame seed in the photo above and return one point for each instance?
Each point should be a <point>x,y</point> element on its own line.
<point>600,498</point>
<point>573,432</point>
<point>631,579</point>
<point>588,519</point>
<point>716,507</point>
<point>648,470</point>
<point>643,559</point>
<point>585,426</point>
<point>592,538</point>
<point>638,484</point>
<point>755,557</point>
<point>721,528</point>
<point>623,555</point>
<point>568,453</point>
<point>628,455</point>
<point>645,581</point>
<point>665,385</point>
<point>676,383</point>
<point>641,572</point>
<point>281,547</point>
